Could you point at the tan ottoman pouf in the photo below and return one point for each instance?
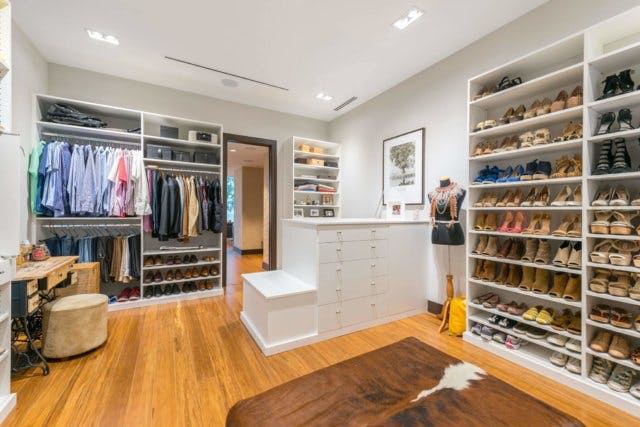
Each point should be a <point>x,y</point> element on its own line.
<point>74,324</point>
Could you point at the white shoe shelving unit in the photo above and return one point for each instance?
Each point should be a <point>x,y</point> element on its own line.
<point>585,58</point>
<point>304,201</point>
<point>209,243</point>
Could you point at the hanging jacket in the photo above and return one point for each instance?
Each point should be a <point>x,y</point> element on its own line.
<point>217,207</point>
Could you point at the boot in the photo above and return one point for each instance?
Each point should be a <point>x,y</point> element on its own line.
<point>504,274</point>
<point>489,271</point>
<point>543,255</point>
<point>479,268</point>
<point>492,246</point>
<point>505,248</point>
<point>611,86</point>
<point>624,119</point>
<point>541,284</point>
<point>604,159</point>
<point>559,284</point>
<point>517,249</point>
<point>481,245</point>
<point>515,276</point>
<point>562,255</point>
<point>490,222</point>
<point>625,83</point>
<point>573,291</point>
<point>528,278</point>
<point>575,259</point>
<point>621,160</point>
<point>531,249</point>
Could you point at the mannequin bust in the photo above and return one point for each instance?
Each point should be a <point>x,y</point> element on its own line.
<point>446,201</point>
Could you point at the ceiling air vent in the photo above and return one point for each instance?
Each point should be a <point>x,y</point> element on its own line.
<point>345,103</point>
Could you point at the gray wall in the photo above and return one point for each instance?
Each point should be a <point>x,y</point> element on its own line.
<point>29,76</point>
<point>436,100</point>
<point>236,118</point>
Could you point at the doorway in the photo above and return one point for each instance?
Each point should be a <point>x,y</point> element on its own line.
<point>249,169</point>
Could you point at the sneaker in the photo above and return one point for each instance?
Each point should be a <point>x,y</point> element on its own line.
<point>507,323</point>
<point>134,295</point>
<point>494,318</point>
<point>635,389</point>
<point>499,337</point>
<point>559,340</point>
<point>559,359</point>
<point>487,333</point>
<point>514,343</point>
<point>521,328</point>
<point>147,292</point>
<point>601,370</point>
<point>574,366</point>
<point>621,379</point>
<point>536,333</point>
<point>124,295</point>
<point>476,329</point>
<point>574,345</point>
<point>113,299</point>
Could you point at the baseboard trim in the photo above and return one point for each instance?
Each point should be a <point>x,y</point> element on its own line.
<point>247,251</point>
<point>434,307</point>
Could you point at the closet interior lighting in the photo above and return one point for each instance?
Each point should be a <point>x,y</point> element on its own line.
<point>97,35</point>
<point>405,21</point>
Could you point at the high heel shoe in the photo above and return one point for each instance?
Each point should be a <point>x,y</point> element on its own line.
<point>531,228</point>
<point>603,166</point>
<point>542,199</point>
<point>620,197</point>
<point>516,175</point>
<point>490,222</point>
<point>562,166</point>
<point>624,119</point>
<point>575,168</point>
<point>518,222</point>
<point>576,199</point>
<point>621,161</point>
<point>564,226</point>
<point>560,102</point>
<point>480,219</point>
<point>576,97</point>
<point>515,200</point>
<point>503,202</point>
<point>518,114</point>
<point>545,225</point>
<point>533,108</point>
<point>491,200</point>
<point>481,200</point>
<point>506,116</point>
<point>606,123</point>
<point>611,86</point>
<point>544,108</point>
<point>531,197</point>
<point>562,197</point>
<point>625,83</point>
<point>506,223</point>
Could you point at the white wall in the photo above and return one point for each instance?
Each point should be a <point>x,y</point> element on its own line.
<point>236,118</point>
<point>436,100</point>
<point>29,76</point>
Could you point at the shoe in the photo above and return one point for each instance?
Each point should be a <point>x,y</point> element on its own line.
<point>204,272</point>
<point>169,275</point>
<point>531,197</point>
<point>541,283</point>
<point>193,259</point>
<point>600,313</point>
<point>157,277</point>
<point>528,278</point>
<point>542,137</point>
<point>178,275</point>
<point>526,139</point>
<point>481,245</point>
<point>557,340</point>
<point>505,198</point>
<point>574,366</point>
<point>559,359</point>
<point>147,292</point>
<point>603,167</point>
<point>622,378</point>
<point>559,284</point>
<point>625,83</point>
<point>185,259</point>
<point>536,333</point>
<point>601,251</point>
<point>487,333</point>
<point>542,198</point>
<point>563,197</point>
<point>531,249</point>
<point>504,274</point>
<point>560,102</point>
<point>488,271</point>
<point>177,260</point>
<point>188,273</point>
<point>601,370</point>
<point>124,295</point>
<point>620,197</point>
<point>562,320</point>
<point>157,291</point>
<point>621,222</point>
<point>148,278</point>
<point>564,227</point>
<point>543,171</point>
<point>611,86</point>
<point>574,345</point>
<point>619,348</point>
<point>575,98</point>
<point>514,343</point>
<point>490,222</point>
<point>503,175</point>
<point>543,253</point>
<point>529,170</point>
<point>134,294</point>
<point>575,258</point>
<point>148,261</point>
<point>624,120</point>
<point>602,197</point>
<point>157,260</point>
<point>479,268</point>
<point>575,327</point>
<point>516,174</point>
<point>518,223</point>
<point>606,123</point>
<point>516,250</point>
<point>545,316</point>
<point>513,279</point>
<point>506,223</point>
<point>619,286</point>
<point>170,260</point>
<point>195,273</point>
<point>521,328</point>
<point>573,291</point>
<point>621,161</point>
<point>544,108</point>
<point>545,225</point>
<point>515,199</point>
<point>504,249</point>
<point>562,255</point>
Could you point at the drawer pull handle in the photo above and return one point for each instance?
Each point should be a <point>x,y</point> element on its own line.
<point>338,249</point>
<point>373,266</point>
<point>338,269</point>
<point>372,283</point>
<point>373,246</point>
<point>338,311</point>
<point>338,289</point>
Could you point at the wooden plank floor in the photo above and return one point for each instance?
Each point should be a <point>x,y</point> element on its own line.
<point>186,364</point>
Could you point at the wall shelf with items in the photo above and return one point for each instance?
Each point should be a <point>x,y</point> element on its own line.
<point>606,161</point>
<point>191,152</point>
<point>313,179</point>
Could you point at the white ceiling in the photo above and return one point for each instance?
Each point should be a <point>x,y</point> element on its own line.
<point>246,155</point>
<point>341,47</point>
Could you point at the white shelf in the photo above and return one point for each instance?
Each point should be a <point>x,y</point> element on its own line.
<point>526,322</point>
<point>618,59</point>
<point>180,142</point>
<point>183,296</point>
<point>629,332</point>
<point>188,165</point>
<point>613,236</point>
<point>316,168</point>
<point>298,178</point>
<point>619,300</point>
<point>628,268</point>
<point>525,236</point>
<point>529,208</point>
<point>316,206</point>
<point>86,218</point>
<point>550,181</point>
<point>306,154</point>
<point>179,251</point>
<point>614,176</point>
<point>179,266</point>
<point>314,192</point>
<point>191,279</point>
<point>613,208</point>
<point>624,362</point>
<point>614,103</point>
<point>88,132</point>
<point>534,122</point>
<point>544,297</point>
<point>528,264</point>
<point>557,79</point>
<point>552,147</point>
<point>633,133</point>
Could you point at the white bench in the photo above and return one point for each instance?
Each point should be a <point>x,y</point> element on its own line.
<point>278,309</point>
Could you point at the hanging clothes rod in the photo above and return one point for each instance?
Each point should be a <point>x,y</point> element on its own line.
<point>187,171</point>
<point>90,225</point>
<point>89,139</point>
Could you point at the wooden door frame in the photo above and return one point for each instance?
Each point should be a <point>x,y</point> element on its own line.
<point>272,145</point>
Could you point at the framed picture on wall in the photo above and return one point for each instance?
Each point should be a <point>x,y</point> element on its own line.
<point>314,212</point>
<point>298,213</point>
<point>328,212</point>
<point>403,168</point>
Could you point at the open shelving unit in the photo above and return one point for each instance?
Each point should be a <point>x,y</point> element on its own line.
<point>585,58</point>
<point>303,203</point>
<point>144,130</point>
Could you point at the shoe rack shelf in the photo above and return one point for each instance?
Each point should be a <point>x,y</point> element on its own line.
<point>585,58</point>
<point>149,131</point>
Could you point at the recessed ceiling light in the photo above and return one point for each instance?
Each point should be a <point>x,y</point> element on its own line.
<point>413,14</point>
<point>229,82</point>
<point>324,96</point>
<point>97,35</point>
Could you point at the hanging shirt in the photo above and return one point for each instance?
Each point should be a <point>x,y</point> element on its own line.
<point>140,184</point>
<point>76,174</point>
<point>52,197</point>
<point>193,209</point>
<point>34,163</point>
<point>87,196</point>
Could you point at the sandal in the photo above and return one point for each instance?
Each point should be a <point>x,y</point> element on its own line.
<point>544,108</point>
<point>564,227</point>
<point>533,108</point>
<point>561,321</point>
<point>576,166</point>
<point>620,348</point>
<point>575,98</point>
<point>602,198</point>
<point>562,166</point>
<point>506,117</point>
<point>600,282</point>
<point>620,318</point>
<point>600,313</point>
<point>621,284</point>
<point>541,136</point>
<point>621,258</point>
<point>532,313</point>
<point>600,252</point>
<point>621,225</point>
<point>560,102</point>
<point>575,229</point>
<point>601,225</point>
<point>526,139</point>
<point>545,317</point>
<point>620,197</point>
<point>634,293</point>
<point>575,327</point>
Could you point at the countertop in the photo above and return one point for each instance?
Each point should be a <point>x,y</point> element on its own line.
<point>352,221</point>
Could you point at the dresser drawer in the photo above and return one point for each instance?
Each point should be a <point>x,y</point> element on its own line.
<point>352,234</point>
<point>352,312</point>
<point>351,279</point>
<point>5,271</point>
<point>349,251</point>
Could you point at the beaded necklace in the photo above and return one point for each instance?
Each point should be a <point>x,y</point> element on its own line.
<point>442,197</point>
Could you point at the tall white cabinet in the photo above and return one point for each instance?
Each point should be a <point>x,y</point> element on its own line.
<point>586,59</point>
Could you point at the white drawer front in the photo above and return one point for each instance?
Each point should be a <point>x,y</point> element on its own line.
<point>352,312</point>
<point>349,251</point>
<point>6,271</point>
<point>352,234</point>
<point>351,279</point>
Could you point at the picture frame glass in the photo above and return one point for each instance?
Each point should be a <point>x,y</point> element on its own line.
<point>403,168</point>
